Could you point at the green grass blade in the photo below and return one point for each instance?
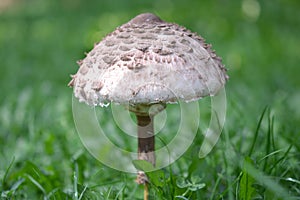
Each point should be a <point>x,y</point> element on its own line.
<point>119,194</point>
<point>256,131</point>
<point>281,159</point>
<point>269,142</point>
<point>82,193</point>
<point>38,185</point>
<point>7,171</point>
<point>181,197</point>
<point>75,176</point>
<point>265,180</point>
<point>246,190</point>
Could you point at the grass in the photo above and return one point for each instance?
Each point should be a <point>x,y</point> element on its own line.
<point>257,156</point>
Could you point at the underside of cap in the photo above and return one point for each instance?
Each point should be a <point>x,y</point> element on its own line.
<point>147,61</point>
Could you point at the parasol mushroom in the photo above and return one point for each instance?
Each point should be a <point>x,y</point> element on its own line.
<point>144,65</point>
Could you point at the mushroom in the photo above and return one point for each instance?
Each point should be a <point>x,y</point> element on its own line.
<point>145,64</point>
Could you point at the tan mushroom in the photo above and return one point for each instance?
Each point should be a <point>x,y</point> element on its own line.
<point>145,64</point>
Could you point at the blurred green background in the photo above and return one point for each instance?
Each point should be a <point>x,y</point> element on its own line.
<point>41,40</point>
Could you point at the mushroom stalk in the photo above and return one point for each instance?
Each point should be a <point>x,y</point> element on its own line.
<point>146,143</point>
<point>146,140</point>
<point>146,147</point>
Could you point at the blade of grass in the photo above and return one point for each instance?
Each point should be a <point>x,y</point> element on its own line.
<point>38,185</point>
<point>7,194</point>
<point>256,131</point>
<point>133,191</point>
<point>221,196</point>
<point>246,190</point>
<point>50,194</point>
<point>181,197</point>
<point>120,192</point>
<point>272,130</point>
<point>269,155</point>
<point>227,167</point>
<point>171,188</point>
<point>7,171</point>
<point>83,191</point>
<point>281,159</point>
<point>215,188</point>
<point>109,192</point>
<point>75,176</point>
<point>269,141</point>
<point>292,180</point>
<point>17,184</point>
<point>268,182</point>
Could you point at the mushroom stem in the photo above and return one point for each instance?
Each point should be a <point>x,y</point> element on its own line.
<point>146,192</point>
<point>146,147</point>
<point>146,140</point>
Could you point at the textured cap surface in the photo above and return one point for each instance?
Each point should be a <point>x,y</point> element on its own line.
<point>147,61</point>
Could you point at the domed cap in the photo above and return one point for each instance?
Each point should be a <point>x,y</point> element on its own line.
<point>147,61</point>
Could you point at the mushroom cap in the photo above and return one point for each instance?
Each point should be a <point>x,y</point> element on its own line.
<point>147,61</point>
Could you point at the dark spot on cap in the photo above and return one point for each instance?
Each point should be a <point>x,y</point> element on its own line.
<point>136,66</point>
<point>123,36</point>
<point>109,43</point>
<point>92,53</point>
<point>168,32</point>
<point>125,58</point>
<point>190,50</point>
<point>139,31</point>
<point>97,85</point>
<point>124,48</point>
<point>83,70</point>
<point>184,41</point>
<point>148,37</point>
<point>108,59</point>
